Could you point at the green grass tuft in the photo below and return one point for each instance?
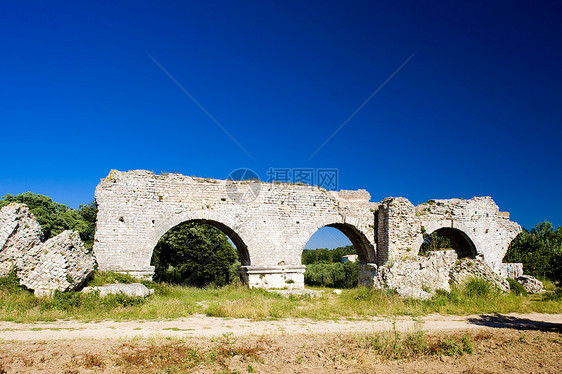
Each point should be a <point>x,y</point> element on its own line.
<point>516,287</point>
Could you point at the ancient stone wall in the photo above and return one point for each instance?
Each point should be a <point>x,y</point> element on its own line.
<point>398,230</point>
<point>271,223</point>
<point>488,230</point>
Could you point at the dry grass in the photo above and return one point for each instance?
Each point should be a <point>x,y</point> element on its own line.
<point>227,354</point>
<point>17,304</point>
<point>482,351</point>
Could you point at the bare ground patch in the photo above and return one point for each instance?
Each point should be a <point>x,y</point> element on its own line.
<point>494,344</point>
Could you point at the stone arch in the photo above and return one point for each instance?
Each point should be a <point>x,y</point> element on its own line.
<point>365,249</point>
<point>222,222</point>
<point>460,239</point>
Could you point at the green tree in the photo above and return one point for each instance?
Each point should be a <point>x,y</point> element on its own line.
<point>434,242</point>
<point>540,251</point>
<point>54,218</point>
<point>324,267</point>
<point>195,254</point>
<point>335,275</point>
<point>326,256</point>
<point>89,213</point>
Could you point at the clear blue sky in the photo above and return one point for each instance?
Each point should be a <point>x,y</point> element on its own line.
<point>476,110</point>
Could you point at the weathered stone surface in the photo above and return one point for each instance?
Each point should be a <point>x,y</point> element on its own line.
<point>398,230</point>
<point>271,228</point>
<point>61,263</point>
<point>477,221</point>
<point>136,208</point>
<point>131,289</point>
<point>530,283</point>
<point>19,232</point>
<point>474,267</point>
<point>418,277</point>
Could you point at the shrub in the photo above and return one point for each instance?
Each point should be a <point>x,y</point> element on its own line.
<point>10,282</point>
<point>332,275</point>
<point>516,287</point>
<point>72,301</point>
<point>477,287</point>
<point>451,346</point>
<point>554,296</point>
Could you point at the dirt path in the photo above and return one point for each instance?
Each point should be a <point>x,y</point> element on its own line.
<point>513,343</point>
<point>203,326</point>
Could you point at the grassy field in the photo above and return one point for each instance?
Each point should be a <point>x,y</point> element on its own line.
<point>237,301</point>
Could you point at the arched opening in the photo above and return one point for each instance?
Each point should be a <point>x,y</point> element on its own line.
<point>447,238</point>
<point>199,253</point>
<point>332,256</point>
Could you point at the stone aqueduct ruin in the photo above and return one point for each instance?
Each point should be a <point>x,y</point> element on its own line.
<point>271,228</point>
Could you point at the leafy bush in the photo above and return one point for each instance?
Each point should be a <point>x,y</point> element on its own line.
<point>477,287</point>
<point>69,301</point>
<point>10,283</point>
<point>554,296</point>
<point>195,254</point>
<point>434,242</point>
<point>332,275</point>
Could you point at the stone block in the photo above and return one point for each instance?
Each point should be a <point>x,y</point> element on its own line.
<point>130,289</point>
<point>19,232</point>
<point>61,263</point>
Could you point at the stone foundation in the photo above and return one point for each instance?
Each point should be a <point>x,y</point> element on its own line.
<point>367,274</point>
<point>290,277</point>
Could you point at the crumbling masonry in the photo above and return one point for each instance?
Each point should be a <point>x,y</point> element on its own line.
<point>271,223</point>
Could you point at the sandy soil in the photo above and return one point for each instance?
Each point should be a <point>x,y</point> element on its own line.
<point>514,343</point>
<point>203,326</point>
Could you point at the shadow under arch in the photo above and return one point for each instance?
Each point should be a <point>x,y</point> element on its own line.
<point>460,241</point>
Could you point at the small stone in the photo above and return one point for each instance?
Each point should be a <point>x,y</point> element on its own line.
<point>131,289</point>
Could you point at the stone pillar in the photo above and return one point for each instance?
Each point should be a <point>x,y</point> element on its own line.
<point>367,274</point>
<point>399,232</point>
<point>277,276</point>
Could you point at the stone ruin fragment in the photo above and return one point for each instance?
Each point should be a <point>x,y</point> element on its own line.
<point>60,263</point>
